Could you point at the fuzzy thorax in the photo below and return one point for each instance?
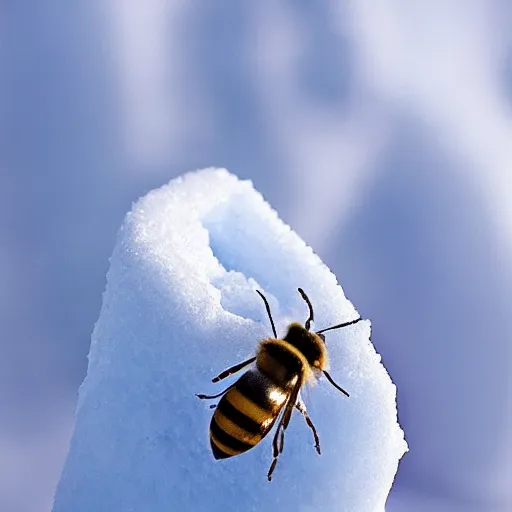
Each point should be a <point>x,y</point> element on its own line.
<point>301,354</point>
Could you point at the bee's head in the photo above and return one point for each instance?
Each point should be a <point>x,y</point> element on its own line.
<point>311,345</point>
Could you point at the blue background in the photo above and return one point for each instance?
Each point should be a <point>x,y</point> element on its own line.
<point>381,134</point>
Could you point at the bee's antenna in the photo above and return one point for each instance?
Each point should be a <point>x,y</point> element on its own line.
<point>268,311</point>
<point>352,322</point>
<point>311,314</point>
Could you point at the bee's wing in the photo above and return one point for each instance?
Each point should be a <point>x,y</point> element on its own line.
<point>303,397</point>
<point>290,405</point>
<point>278,412</point>
<point>278,442</point>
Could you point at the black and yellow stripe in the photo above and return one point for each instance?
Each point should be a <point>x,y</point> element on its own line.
<point>245,414</point>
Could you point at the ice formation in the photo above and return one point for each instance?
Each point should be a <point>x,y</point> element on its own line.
<point>179,307</point>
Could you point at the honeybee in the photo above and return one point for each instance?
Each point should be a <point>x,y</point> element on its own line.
<point>250,407</point>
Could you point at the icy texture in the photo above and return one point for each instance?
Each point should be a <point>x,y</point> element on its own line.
<point>179,307</point>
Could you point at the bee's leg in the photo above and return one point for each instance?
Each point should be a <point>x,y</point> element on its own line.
<point>233,369</point>
<point>337,386</point>
<point>278,442</point>
<point>276,449</point>
<point>300,406</point>
<point>208,397</point>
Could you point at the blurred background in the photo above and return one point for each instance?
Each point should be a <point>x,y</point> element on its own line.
<point>380,131</point>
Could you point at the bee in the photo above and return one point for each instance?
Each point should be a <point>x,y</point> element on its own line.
<point>270,392</point>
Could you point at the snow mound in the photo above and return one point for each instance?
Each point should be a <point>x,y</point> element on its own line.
<point>180,306</point>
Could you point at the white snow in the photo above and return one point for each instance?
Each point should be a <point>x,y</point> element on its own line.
<point>179,307</point>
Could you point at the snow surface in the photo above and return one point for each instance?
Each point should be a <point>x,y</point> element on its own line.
<point>180,306</point>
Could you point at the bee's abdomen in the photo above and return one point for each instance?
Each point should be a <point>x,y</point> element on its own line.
<point>244,415</point>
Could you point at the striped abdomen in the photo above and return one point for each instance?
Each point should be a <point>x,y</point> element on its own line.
<point>245,414</point>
